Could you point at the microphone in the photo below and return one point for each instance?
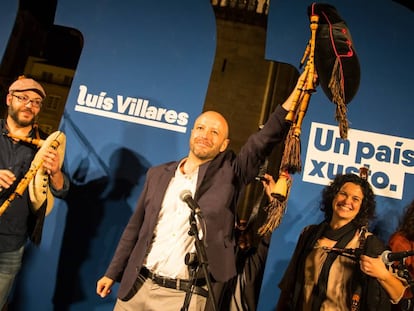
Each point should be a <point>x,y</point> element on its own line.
<point>389,257</point>
<point>187,197</point>
<point>349,252</point>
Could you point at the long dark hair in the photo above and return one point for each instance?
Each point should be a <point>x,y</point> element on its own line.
<point>406,226</point>
<point>367,211</point>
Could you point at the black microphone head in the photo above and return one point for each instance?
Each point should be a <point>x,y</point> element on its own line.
<point>185,195</point>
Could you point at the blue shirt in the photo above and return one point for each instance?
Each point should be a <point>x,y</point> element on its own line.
<point>15,223</point>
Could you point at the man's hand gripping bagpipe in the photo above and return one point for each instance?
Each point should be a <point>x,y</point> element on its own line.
<point>45,166</point>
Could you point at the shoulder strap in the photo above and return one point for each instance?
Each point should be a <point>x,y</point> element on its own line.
<point>320,288</point>
<point>359,276</point>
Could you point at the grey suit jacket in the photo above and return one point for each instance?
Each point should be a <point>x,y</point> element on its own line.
<point>218,187</point>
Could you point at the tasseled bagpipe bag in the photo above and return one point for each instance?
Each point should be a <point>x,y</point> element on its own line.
<point>336,61</point>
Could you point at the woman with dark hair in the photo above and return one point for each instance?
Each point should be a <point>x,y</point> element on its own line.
<point>336,264</point>
<point>403,239</point>
<point>400,241</point>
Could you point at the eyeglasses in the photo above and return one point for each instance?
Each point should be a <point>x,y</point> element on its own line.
<point>37,103</point>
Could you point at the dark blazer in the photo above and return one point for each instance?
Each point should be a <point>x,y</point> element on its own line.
<point>250,269</point>
<point>218,187</point>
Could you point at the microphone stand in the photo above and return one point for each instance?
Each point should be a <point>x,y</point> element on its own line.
<point>192,262</point>
<point>195,265</point>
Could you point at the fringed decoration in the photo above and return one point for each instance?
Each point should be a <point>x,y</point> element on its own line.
<point>275,212</point>
<point>291,160</point>
<point>336,86</point>
<point>40,214</point>
<point>276,209</point>
<point>343,121</point>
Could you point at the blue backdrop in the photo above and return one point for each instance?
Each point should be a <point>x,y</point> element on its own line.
<point>140,82</point>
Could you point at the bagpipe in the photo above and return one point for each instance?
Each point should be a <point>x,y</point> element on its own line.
<point>36,179</point>
<point>330,61</point>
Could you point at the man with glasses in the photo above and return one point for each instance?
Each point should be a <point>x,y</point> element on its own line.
<point>20,220</point>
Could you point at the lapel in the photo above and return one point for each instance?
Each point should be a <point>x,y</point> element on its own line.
<point>206,173</point>
<point>162,180</point>
<point>201,175</point>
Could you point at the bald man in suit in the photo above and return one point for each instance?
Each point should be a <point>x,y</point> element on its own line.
<point>149,260</point>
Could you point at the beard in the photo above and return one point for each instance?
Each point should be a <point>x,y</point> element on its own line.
<point>14,114</point>
<point>202,153</point>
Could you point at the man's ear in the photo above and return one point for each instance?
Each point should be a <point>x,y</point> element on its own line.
<point>224,145</point>
<point>9,97</point>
